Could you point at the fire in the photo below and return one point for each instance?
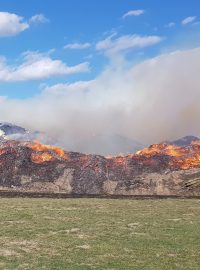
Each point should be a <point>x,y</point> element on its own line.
<point>45,153</point>
<point>41,158</point>
<point>38,147</point>
<point>173,157</point>
<point>164,149</point>
<point>188,163</point>
<point>180,157</point>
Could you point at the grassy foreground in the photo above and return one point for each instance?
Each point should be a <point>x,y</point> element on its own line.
<point>99,234</point>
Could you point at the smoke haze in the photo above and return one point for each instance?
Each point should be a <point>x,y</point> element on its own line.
<point>152,101</point>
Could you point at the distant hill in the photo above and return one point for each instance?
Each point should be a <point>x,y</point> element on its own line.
<point>185,141</point>
<point>9,131</point>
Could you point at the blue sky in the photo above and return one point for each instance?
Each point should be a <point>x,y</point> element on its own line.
<point>55,24</point>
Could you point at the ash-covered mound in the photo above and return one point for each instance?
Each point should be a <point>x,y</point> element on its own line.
<point>161,169</point>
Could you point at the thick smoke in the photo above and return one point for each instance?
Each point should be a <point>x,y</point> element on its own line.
<point>156,100</point>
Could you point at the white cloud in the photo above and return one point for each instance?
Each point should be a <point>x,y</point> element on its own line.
<point>170,25</point>
<point>11,24</point>
<point>37,66</point>
<point>77,46</point>
<point>136,12</point>
<point>38,18</point>
<point>188,20</point>
<point>65,88</point>
<point>114,45</point>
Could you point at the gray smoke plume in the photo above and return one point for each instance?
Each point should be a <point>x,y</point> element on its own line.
<point>152,101</point>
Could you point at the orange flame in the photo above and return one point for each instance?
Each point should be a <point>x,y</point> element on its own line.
<point>46,153</point>
<point>41,158</point>
<point>181,157</point>
<point>37,146</point>
<point>164,149</point>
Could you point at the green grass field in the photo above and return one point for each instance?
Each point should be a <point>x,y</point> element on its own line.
<point>99,234</point>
